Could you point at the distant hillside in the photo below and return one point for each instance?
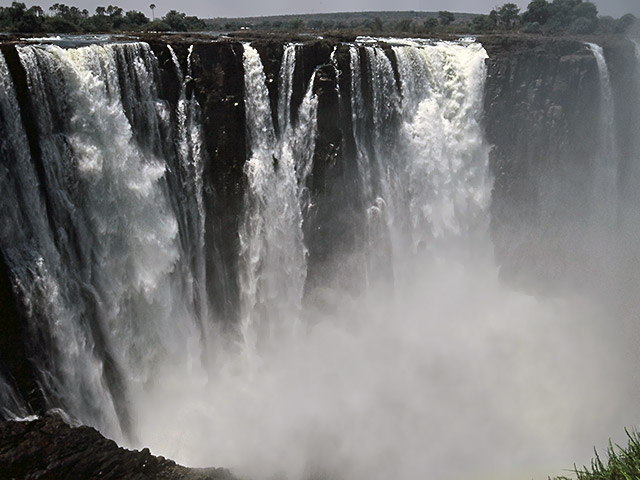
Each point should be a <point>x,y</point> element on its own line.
<point>374,21</point>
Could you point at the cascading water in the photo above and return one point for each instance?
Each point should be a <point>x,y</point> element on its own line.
<point>435,361</point>
<point>272,246</point>
<point>428,178</point>
<point>190,165</point>
<point>107,272</point>
<point>444,140</point>
<point>605,173</point>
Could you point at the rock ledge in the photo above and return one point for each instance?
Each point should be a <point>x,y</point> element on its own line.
<point>49,449</point>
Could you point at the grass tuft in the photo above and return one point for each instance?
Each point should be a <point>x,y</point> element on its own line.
<point>623,463</point>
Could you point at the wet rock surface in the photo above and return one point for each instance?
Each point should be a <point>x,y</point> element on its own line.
<point>49,449</point>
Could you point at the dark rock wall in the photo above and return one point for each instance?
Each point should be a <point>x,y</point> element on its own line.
<point>218,78</point>
<point>542,116</point>
<point>49,449</point>
<point>541,108</point>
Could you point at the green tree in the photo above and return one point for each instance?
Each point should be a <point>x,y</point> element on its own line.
<point>585,10</point>
<point>135,17</point>
<point>377,25</point>
<point>59,25</point>
<point>114,11</point>
<point>100,22</point>
<point>36,10</point>
<point>537,11</point>
<point>156,26</point>
<point>562,13</point>
<point>606,24</point>
<point>430,24</point>
<point>624,23</point>
<point>482,23</point>
<point>404,25</point>
<point>59,9</point>
<point>175,20</point>
<point>445,17</point>
<point>194,23</point>
<point>18,18</point>
<point>493,15</point>
<point>508,16</point>
<point>296,25</point>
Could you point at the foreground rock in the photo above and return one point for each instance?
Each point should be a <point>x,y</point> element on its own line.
<point>48,448</point>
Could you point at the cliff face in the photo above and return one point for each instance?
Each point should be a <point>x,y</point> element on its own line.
<point>542,110</point>
<point>542,116</point>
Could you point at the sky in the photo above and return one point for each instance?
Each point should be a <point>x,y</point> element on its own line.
<point>242,8</point>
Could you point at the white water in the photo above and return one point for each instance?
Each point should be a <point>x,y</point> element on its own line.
<point>120,233</point>
<point>191,165</point>
<point>606,163</point>
<point>443,373</point>
<point>273,253</point>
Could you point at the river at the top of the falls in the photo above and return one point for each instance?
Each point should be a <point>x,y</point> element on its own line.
<point>435,369</point>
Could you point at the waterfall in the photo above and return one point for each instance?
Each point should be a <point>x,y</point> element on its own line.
<point>190,164</point>
<point>420,150</point>
<point>273,252</point>
<point>109,276</point>
<point>605,172</point>
<point>604,196</point>
<point>110,218</point>
<point>441,108</point>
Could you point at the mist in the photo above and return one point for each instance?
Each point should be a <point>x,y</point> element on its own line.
<point>458,376</point>
<point>443,370</point>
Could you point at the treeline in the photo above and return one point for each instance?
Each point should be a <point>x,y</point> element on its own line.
<point>357,21</point>
<point>554,17</point>
<point>65,19</point>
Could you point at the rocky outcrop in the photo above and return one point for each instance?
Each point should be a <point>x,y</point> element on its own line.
<point>49,449</point>
<point>15,367</point>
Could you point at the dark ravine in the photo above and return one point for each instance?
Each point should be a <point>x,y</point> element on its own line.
<point>50,449</point>
<point>542,105</point>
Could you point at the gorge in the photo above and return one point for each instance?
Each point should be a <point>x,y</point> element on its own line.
<point>325,258</point>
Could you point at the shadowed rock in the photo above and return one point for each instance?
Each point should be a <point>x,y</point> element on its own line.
<point>48,449</point>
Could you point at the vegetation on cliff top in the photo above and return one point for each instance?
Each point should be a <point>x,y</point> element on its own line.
<point>553,17</point>
<point>66,19</point>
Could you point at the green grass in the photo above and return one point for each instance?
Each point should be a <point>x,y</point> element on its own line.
<point>623,463</point>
